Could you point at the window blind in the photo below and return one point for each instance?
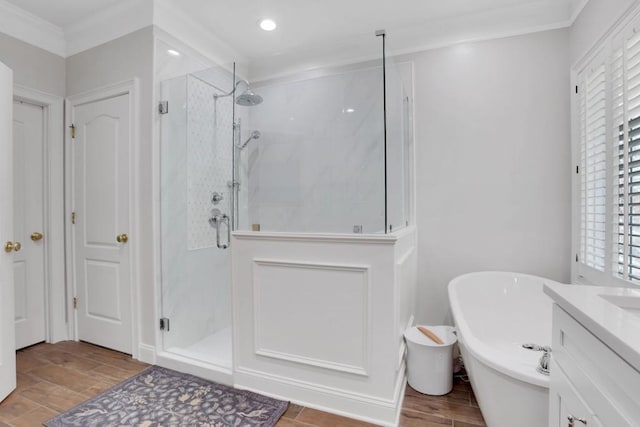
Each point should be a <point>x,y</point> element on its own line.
<point>625,71</point>
<point>593,114</point>
<point>608,130</point>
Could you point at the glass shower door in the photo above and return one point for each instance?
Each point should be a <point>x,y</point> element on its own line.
<point>196,171</point>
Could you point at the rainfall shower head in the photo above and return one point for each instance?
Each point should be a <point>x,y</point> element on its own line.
<point>254,135</point>
<point>248,98</point>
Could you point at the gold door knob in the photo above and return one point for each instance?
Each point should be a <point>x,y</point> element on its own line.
<point>122,238</point>
<point>10,246</point>
<point>36,236</point>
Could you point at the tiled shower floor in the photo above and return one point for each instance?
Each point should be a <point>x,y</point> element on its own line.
<point>53,378</point>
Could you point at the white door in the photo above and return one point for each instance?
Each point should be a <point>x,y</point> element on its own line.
<point>100,201</point>
<point>28,208</point>
<point>7,328</point>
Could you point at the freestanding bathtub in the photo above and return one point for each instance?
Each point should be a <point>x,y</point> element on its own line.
<point>495,313</point>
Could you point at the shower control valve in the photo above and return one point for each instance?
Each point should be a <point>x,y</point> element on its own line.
<point>216,198</point>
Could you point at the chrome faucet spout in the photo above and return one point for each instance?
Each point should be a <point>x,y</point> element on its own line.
<point>543,364</point>
<point>536,347</point>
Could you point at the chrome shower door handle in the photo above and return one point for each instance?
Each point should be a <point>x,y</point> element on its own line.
<point>572,421</point>
<point>224,218</point>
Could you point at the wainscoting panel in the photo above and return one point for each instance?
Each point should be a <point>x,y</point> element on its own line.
<point>318,319</point>
<point>332,299</point>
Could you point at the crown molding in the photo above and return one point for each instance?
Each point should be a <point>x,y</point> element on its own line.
<point>168,17</point>
<point>112,23</point>
<point>108,24</point>
<point>576,12</point>
<point>132,15</point>
<point>29,28</point>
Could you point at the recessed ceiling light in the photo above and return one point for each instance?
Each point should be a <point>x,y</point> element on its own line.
<point>267,24</point>
<point>173,52</point>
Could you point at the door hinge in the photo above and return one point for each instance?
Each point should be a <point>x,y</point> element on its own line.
<point>73,217</point>
<point>75,302</point>
<point>577,169</point>
<point>577,259</point>
<point>164,324</point>
<point>73,131</point>
<point>163,107</point>
<point>576,88</point>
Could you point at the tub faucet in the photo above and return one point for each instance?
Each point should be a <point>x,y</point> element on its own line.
<point>536,347</point>
<point>543,364</point>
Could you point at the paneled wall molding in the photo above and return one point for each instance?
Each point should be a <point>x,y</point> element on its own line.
<point>325,333</point>
<point>310,361</point>
<point>361,278</point>
<point>360,268</point>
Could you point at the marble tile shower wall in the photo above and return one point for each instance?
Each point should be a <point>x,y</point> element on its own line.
<point>196,161</point>
<point>319,165</point>
<point>209,161</point>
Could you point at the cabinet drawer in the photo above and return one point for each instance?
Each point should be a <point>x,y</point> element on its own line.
<point>565,402</point>
<point>606,383</point>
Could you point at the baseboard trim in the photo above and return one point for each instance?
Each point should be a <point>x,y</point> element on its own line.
<point>342,402</point>
<point>147,354</point>
<point>208,371</point>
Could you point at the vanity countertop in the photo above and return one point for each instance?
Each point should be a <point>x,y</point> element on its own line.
<point>611,314</point>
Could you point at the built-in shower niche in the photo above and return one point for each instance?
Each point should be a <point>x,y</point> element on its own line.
<point>196,162</point>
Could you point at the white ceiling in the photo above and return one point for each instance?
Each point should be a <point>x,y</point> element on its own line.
<point>64,12</point>
<point>312,22</point>
<point>311,31</point>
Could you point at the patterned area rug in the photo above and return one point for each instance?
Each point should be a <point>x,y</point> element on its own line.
<point>159,397</point>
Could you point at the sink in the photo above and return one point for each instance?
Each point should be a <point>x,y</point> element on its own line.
<point>629,303</point>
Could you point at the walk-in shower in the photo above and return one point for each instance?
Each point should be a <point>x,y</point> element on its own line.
<point>322,153</point>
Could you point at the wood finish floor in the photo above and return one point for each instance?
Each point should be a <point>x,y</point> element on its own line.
<point>53,378</point>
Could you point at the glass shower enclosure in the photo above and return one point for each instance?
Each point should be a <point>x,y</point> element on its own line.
<point>322,152</point>
<point>196,204</point>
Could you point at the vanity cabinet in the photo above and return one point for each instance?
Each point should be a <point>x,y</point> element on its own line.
<point>590,384</point>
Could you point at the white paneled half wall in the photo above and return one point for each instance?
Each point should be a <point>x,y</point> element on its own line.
<point>319,319</point>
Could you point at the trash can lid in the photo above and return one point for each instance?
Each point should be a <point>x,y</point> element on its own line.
<point>445,333</point>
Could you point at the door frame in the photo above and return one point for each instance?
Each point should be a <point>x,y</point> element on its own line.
<point>131,88</point>
<point>56,325</point>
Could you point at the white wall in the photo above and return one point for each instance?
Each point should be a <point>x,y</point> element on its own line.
<point>120,60</point>
<point>493,164</point>
<point>33,67</point>
<point>595,19</point>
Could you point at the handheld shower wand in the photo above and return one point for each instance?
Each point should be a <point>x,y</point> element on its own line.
<point>254,135</point>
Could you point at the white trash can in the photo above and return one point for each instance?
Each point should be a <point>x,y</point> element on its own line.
<point>430,365</point>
